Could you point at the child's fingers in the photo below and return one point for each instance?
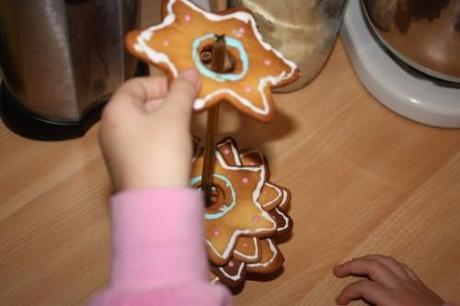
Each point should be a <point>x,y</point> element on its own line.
<point>153,105</point>
<point>364,289</point>
<point>375,270</point>
<point>392,264</point>
<point>141,90</point>
<point>183,90</point>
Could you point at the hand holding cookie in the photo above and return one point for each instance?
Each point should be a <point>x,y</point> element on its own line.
<point>388,283</point>
<point>145,126</point>
<point>186,39</point>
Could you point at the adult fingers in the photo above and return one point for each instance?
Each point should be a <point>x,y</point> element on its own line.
<point>364,289</point>
<point>373,269</point>
<point>392,264</point>
<point>183,91</point>
<point>140,90</point>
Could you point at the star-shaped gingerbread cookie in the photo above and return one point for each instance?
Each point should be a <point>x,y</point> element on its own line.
<point>243,248</point>
<point>235,211</point>
<point>185,40</point>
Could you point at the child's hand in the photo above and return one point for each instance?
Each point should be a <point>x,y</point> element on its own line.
<point>388,283</point>
<point>145,132</point>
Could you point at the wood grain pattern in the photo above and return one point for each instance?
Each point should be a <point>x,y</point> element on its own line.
<point>363,179</point>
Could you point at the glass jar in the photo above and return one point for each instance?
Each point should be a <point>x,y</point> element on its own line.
<point>305,31</point>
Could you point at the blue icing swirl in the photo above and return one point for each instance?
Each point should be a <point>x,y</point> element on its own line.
<point>226,208</point>
<point>231,42</point>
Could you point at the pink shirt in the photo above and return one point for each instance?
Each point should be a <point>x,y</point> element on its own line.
<point>158,255</point>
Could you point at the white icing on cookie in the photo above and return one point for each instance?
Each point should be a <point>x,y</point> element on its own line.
<point>157,57</point>
<point>267,263</point>
<point>279,194</point>
<point>234,150</point>
<point>250,257</point>
<point>236,277</point>
<point>255,197</point>
<point>215,280</point>
<point>286,220</point>
<point>285,201</point>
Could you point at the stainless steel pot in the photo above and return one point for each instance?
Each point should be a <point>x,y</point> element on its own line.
<point>423,33</point>
<point>60,61</point>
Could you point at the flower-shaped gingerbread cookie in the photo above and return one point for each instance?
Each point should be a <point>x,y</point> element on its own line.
<point>185,40</point>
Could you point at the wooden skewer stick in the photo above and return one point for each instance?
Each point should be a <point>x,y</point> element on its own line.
<point>218,64</point>
<point>222,5</point>
<point>218,5</point>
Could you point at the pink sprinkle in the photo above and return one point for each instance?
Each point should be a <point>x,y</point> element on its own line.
<point>267,62</point>
<point>245,180</point>
<point>249,89</point>
<point>231,264</point>
<point>265,192</point>
<point>166,43</point>
<point>245,245</point>
<point>226,151</point>
<point>239,32</point>
<point>187,17</point>
<point>256,218</point>
<point>216,233</point>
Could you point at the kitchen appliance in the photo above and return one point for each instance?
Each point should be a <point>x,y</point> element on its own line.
<point>60,61</point>
<point>407,54</point>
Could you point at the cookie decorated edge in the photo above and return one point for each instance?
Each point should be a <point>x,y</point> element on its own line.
<point>137,46</point>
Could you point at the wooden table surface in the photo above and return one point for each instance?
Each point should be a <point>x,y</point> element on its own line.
<point>364,180</point>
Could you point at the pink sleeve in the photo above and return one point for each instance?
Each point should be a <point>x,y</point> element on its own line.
<point>158,255</point>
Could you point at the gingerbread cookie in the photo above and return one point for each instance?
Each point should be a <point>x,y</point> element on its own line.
<point>231,274</point>
<point>236,211</point>
<point>272,196</point>
<point>247,249</point>
<point>283,221</point>
<point>185,40</point>
<point>249,252</point>
<point>271,258</point>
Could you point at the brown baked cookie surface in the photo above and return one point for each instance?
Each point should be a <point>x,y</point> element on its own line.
<point>235,210</point>
<point>249,251</point>
<point>185,40</point>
